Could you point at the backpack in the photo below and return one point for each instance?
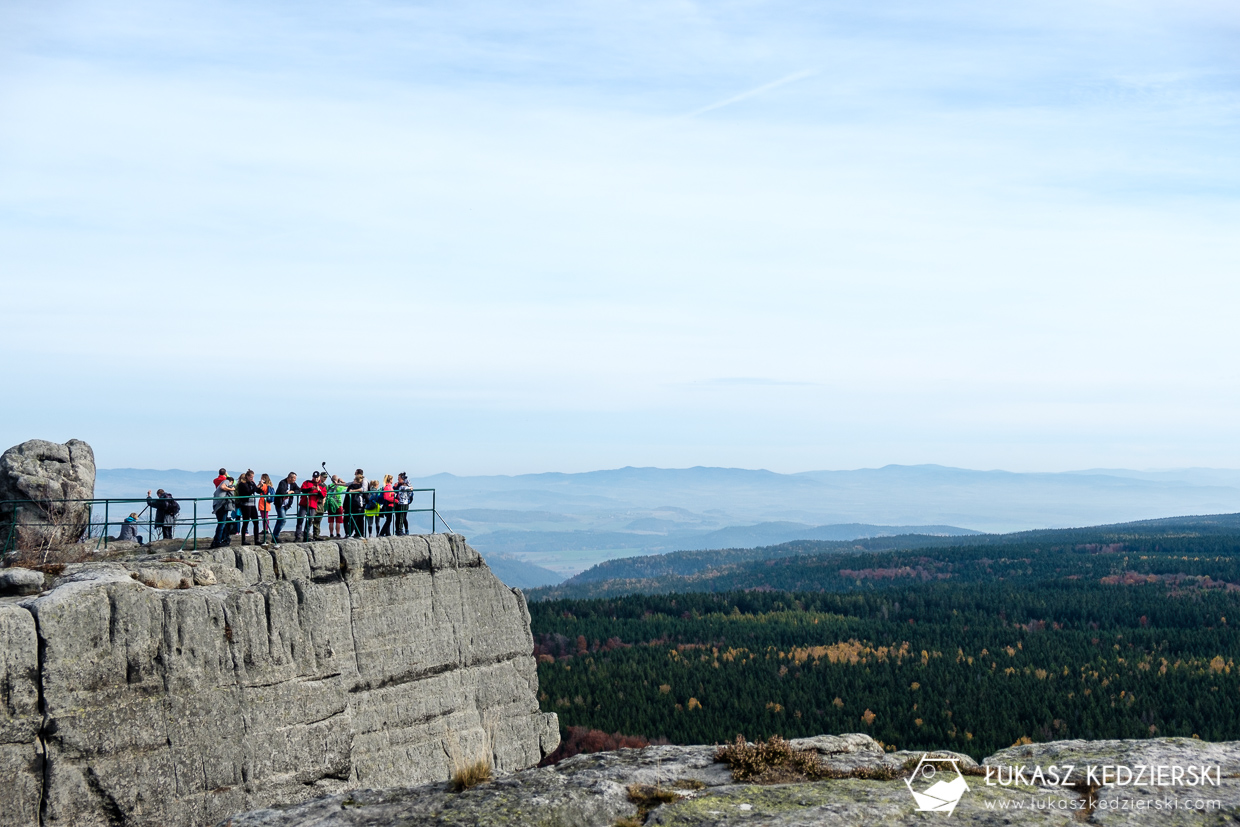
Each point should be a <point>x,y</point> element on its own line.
<point>172,507</point>
<point>374,499</point>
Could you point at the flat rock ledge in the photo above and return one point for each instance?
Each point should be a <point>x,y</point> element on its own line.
<point>174,690</point>
<point>592,791</point>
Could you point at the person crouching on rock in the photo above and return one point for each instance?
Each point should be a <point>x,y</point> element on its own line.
<point>165,509</point>
<point>129,530</point>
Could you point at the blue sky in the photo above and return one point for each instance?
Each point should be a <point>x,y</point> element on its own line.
<point>500,238</point>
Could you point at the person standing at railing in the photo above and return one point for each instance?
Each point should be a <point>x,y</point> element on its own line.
<point>265,496</point>
<point>246,490</point>
<point>404,497</point>
<point>311,495</point>
<point>165,509</point>
<point>387,505</point>
<point>355,506</point>
<point>334,506</point>
<point>221,504</point>
<point>374,502</point>
<point>321,508</point>
<point>284,501</point>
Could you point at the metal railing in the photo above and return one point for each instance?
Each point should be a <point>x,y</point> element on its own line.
<point>67,521</point>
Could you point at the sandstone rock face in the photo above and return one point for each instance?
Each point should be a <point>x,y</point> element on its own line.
<point>179,692</point>
<point>45,474</point>
<point>20,719</point>
<point>592,791</point>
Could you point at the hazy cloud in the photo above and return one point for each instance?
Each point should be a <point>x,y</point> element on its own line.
<point>484,236</point>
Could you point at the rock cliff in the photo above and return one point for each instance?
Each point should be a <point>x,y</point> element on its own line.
<point>152,691</point>
<point>629,787</point>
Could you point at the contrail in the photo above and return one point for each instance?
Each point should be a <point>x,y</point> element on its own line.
<point>793,78</point>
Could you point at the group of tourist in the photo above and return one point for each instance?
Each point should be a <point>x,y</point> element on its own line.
<point>360,508</point>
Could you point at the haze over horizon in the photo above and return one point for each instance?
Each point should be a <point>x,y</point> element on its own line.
<point>568,522</point>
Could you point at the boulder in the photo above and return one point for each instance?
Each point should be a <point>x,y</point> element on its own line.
<point>18,581</point>
<point>39,480</point>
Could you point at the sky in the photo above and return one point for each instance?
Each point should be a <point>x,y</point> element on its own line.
<point>491,237</point>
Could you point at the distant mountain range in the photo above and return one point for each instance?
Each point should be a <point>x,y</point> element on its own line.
<point>800,565</point>
<point>566,523</point>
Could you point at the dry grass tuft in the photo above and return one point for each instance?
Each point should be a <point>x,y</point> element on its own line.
<point>44,557</point>
<point>467,773</point>
<point>471,775</point>
<point>774,761</point>
<point>649,796</point>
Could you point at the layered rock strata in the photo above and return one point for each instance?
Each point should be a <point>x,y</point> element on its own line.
<point>157,692</point>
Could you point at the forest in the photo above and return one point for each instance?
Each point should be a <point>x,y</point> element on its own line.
<point>967,647</point>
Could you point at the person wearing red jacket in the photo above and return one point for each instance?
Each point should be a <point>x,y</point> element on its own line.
<point>320,506</point>
<point>387,505</point>
<point>312,493</point>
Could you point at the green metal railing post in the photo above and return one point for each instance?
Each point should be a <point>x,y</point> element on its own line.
<point>432,512</point>
<point>105,523</point>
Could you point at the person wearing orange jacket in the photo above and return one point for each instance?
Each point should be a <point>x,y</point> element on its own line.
<point>265,495</point>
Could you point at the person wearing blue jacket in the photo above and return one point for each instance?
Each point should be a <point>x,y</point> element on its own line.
<point>129,530</point>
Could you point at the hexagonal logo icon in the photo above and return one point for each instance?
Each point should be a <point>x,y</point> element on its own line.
<point>937,784</point>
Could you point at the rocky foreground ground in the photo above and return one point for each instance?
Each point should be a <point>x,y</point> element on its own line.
<point>623,788</point>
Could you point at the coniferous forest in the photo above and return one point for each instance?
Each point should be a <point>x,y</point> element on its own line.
<point>970,648</point>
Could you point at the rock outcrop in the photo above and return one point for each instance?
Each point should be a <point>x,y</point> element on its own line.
<point>605,789</point>
<point>20,581</point>
<point>176,692</point>
<point>43,478</point>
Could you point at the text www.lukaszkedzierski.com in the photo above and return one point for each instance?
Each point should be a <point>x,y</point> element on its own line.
<point>1120,804</point>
